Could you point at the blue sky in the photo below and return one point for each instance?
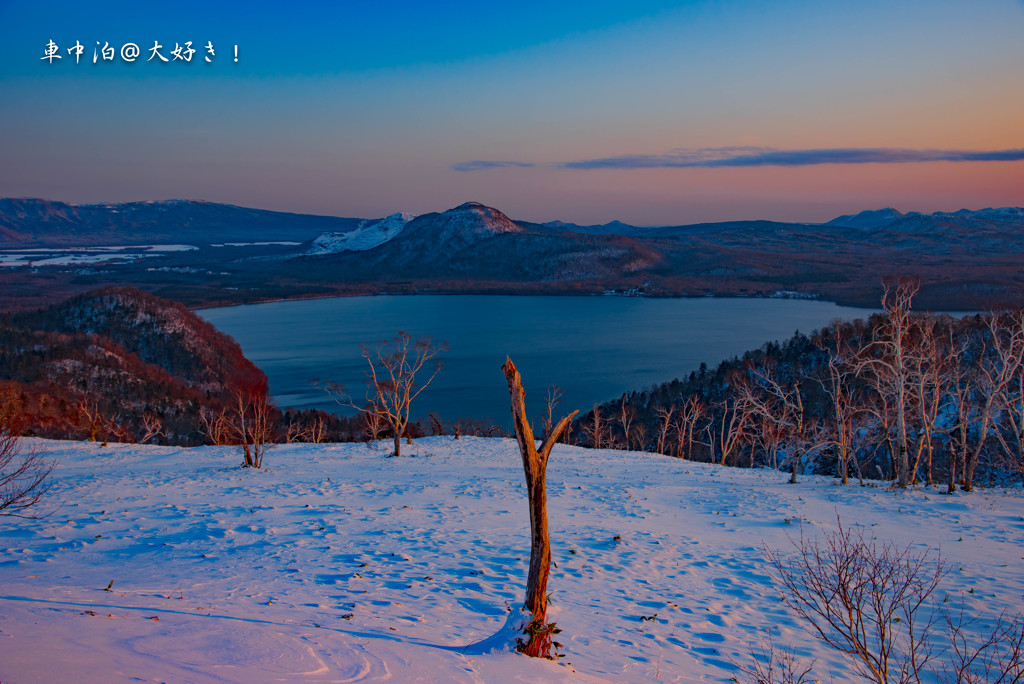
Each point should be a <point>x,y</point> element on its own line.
<point>364,109</point>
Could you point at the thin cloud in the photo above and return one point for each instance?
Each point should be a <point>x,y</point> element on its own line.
<point>481,165</point>
<point>719,157</point>
<point>713,157</point>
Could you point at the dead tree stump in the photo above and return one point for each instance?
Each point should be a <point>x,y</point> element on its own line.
<point>537,630</point>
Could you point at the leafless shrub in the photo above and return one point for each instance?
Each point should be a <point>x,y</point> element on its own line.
<point>248,422</point>
<point>776,666</point>
<point>994,657</point>
<point>215,425</point>
<point>24,473</point>
<point>871,602</point>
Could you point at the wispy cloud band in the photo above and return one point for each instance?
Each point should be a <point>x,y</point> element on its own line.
<point>480,165</point>
<point>764,156</point>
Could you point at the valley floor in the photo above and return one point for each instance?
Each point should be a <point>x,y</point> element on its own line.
<point>336,563</point>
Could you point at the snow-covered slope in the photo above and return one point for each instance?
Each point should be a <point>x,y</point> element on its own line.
<point>336,563</point>
<point>366,236</point>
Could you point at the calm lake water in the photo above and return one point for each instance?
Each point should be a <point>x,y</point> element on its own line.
<point>594,348</point>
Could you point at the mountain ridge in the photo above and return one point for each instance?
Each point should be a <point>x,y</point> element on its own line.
<point>27,223</point>
<point>205,222</point>
<point>966,259</point>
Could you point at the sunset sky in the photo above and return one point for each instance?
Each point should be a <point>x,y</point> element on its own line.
<point>648,112</point>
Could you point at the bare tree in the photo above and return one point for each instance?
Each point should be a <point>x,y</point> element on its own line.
<point>886,364</point>
<point>24,474</point>
<point>691,414</point>
<point>317,431</point>
<point>373,422</point>
<point>294,432</point>
<point>537,630</point>
<point>626,417</point>
<point>554,398</point>
<point>845,407</point>
<point>594,430</point>
<point>983,379</point>
<point>640,437</point>
<point>773,437</point>
<point>729,428</point>
<point>391,381</point>
<point>782,404</point>
<point>312,430</point>
<point>152,427</point>
<point>1003,377</point>
<point>215,425</point>
<point>96,422</point>
<point>931,383</point>
<point>665,415</point>
<point>249,423</point>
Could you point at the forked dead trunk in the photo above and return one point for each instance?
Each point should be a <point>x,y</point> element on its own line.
<point>537,631</point>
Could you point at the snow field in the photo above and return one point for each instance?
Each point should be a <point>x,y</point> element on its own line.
<point>336,563</point>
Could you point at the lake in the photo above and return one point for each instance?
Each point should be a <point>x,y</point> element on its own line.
<point>594,348</point>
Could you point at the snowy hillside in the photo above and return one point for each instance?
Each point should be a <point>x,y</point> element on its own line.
<point>366,236</point>
<point>338,564</point>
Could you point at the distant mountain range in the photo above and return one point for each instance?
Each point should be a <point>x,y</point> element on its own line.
<point>34,223</point>
<point>867,219</point>
<point>30,223</point>
<point>966,259</point>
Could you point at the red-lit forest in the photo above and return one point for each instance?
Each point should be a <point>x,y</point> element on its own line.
<point>120,364</point>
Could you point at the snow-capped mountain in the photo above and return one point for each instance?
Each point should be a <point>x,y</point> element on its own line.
<point>867,219</point>
<point>367,235</point>
<point>465,224</point>
<point>481,244</point>
<point>1009,214</point>
<point>461,226</point>
<point>916,221</point>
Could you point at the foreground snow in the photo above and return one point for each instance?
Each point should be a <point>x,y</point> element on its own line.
<point>337,564</point>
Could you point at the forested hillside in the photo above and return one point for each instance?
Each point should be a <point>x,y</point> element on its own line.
<point>120,364</point>
<point>902,395</point>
